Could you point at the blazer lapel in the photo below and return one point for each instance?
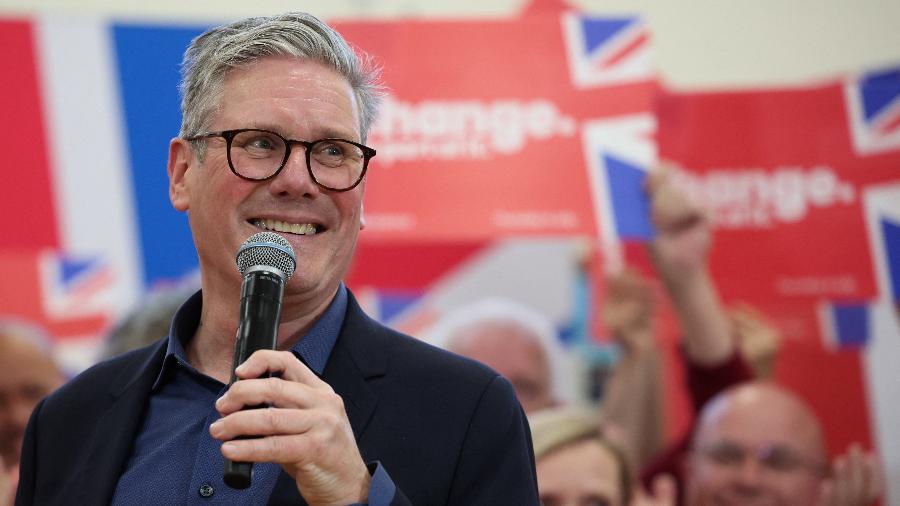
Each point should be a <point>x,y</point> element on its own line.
<point>115,431</point>
<point>357,357</point>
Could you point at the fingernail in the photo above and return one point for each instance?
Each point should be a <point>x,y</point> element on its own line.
<point>216,428</point>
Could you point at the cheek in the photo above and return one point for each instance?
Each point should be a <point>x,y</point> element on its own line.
<point>799,489</point>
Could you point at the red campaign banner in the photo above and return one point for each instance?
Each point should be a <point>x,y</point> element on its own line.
<point>784,174</point>
<point>480,136</point>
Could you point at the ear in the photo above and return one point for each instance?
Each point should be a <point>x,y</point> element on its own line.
<point>181,157</point>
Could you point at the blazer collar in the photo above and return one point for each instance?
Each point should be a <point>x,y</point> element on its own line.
<point>117,427</point>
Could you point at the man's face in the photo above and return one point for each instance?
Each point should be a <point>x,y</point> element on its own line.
<point>580,474</point>
<point>515,354</point>
<point>26,376</point>
<point>755,455</point>
<point>298,99</point>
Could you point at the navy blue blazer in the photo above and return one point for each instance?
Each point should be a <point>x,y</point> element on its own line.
<point>448,430</point>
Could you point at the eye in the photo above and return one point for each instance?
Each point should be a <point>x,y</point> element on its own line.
<point>261,143</point>
<point>330,149</point>
<point>258,142</point>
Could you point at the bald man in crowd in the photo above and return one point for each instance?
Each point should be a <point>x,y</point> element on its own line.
<point>27,374</point>
<point>757,443</point>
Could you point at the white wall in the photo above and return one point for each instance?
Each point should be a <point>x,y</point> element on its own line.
<point>701,44</point>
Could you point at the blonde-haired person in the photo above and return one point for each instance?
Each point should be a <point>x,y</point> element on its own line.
<point>580,464</point>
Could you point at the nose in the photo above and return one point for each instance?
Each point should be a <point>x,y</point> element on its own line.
<point>749,473</point>
<point>294,180</point>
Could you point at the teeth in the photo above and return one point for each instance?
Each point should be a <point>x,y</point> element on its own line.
<point>290,228</point>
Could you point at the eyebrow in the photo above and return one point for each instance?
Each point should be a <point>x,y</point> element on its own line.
<point>321,132</point>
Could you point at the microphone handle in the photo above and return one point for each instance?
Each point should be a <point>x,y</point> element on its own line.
<point>261,294</point>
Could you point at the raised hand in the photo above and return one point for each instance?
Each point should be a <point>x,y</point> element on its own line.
<point>684,235</point>
<point>855,479</point>
<point>758,338</point>
<point>628,310</point>
<point>680,253</point>
<point>306,429</point>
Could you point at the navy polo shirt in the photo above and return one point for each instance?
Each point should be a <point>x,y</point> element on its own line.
<point>174,459</point>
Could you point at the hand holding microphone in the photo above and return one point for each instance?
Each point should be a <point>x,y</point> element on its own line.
<point>266,261</point>
<point>304,427</point>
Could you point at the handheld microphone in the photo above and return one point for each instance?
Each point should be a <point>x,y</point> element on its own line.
<point>266,261</point>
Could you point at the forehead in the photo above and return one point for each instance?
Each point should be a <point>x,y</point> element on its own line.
<point>500,338</point>
<point>774,423</point>
<point>288,93</point>
<point>585,467</point>
<point>23,361</point>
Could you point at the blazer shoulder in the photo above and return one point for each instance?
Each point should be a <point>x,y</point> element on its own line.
<point>107,377</point>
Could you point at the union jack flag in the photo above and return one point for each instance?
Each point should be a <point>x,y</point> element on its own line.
<point>76,287</point>
<point>845,325</point>
<point>619,154</point>
<point>606,51</point>
<point>873,108</point>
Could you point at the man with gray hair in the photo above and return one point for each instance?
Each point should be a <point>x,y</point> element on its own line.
<point>275,116</point>
<point>517,342</point>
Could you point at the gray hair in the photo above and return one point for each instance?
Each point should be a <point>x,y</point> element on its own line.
<point>149,321</point>
<point>500,310</point>
<point>218,50</point>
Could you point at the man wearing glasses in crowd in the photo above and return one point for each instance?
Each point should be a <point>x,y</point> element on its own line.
<point>275,116</point>
<point>757,443</point>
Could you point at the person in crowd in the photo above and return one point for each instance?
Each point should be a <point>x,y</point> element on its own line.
<point>719,351</point>
<point>518,342</point>
<point>28,373</point>
<point>633,395</point>
<point>758,443</point>
<point>275,116</point>
<point>147,322</point>
<point>578,464</point>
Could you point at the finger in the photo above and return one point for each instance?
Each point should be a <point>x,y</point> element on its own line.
<point>874,481</point>
<point>277,392</point>
<point>261,422</point>
<point>656,178</point>
<point>855,473</point>
<point>840,481</point>
<point>298,448</point>
<point>278,363</point>
<point>664,490</point>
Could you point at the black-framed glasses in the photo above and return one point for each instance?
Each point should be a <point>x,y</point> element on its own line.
<point>256,155</point>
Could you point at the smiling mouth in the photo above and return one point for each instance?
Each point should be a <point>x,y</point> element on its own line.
<point>285,227</point>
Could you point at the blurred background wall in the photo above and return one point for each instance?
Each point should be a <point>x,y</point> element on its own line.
<point>756,91</point>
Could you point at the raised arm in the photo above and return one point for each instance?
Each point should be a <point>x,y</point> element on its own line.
<point>680,253</point>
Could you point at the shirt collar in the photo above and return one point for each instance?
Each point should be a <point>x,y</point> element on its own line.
<point>313,349</point>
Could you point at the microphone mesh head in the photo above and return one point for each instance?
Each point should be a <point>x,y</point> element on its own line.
<point>269,249</point>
